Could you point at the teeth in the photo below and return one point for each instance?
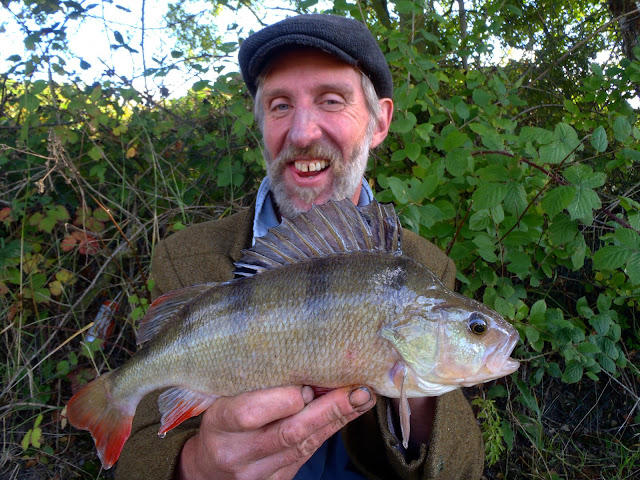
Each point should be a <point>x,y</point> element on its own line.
<point>311,167</point>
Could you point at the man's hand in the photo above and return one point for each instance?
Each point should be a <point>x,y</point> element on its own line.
<point>268,434</point>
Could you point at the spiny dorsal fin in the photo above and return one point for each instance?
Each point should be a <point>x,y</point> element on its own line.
<point>166,309</point>
<point>332,228</point>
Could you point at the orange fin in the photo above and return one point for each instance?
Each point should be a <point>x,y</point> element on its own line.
<point>179,404</point>
<point>399,380</point>
<point>94,409</point>
<point>166,308</point>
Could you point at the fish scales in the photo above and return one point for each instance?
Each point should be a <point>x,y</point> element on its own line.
<point>264,333</point>
<point>327,300</point>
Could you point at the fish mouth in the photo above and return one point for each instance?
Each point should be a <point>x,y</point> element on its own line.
<point>497,364</point>
<point>498,361</point>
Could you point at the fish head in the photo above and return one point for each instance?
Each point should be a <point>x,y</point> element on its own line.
<point>475,343</point>
<point>453,341</point>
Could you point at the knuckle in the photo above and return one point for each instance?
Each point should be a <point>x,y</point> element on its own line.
<point>291,434</point>
<point>336,416</point>
<point>308,446</point>
<point>224,459</point>
<point>245,421</point>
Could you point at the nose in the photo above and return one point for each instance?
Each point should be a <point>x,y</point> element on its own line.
<point>304,128</point>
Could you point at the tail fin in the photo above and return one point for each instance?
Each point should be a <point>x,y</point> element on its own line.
<point>94,409</point>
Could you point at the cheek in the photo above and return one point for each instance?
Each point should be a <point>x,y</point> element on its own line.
<point>273,136</point>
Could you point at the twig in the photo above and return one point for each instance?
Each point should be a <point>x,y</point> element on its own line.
<point>579,44</point>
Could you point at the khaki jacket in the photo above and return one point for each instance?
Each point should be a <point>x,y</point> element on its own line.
<point>205,252</point>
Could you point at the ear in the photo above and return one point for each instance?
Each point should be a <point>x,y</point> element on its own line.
<point>382,128</point>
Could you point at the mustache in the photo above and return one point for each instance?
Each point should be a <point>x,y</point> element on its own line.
<point>317,150</point>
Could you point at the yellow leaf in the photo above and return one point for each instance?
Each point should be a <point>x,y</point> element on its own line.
<point>65,276</point>
<point>55,288</point>
<point>131,152</point>
<point>26,440</point>
<point>63,417</point>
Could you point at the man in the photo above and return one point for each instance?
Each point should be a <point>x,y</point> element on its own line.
<point>322,92</point>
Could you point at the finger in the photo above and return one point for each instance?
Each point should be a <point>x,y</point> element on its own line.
<point>299,436</point>
<point>252,410</point>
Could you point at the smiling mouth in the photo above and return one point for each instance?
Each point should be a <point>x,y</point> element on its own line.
<point>310,167</point>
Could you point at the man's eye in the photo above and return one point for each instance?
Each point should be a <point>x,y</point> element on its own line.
<point>332,103</point>
<point>279,107</point>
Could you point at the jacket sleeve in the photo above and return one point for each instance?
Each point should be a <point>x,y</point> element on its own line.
<point>455,450</point>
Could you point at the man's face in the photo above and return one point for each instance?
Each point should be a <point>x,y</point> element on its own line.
<point>317,130</point>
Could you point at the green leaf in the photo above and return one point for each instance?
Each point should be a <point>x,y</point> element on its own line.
<point>584,176</point>
<point>515,199</point>
<point>601,323</point>
<point>480,220</point>
<point>413,151</point>
<point>583,204</point>
<point>573,372</point>
<point>633,155</point>
<point>609,348</point>
<point>537,312</point>
<point>453,140</point>
<point>564,143</point>
<point>399,189</point>
<point>519,263</point>
<point>599,139</point>
<point>633,268</point>
<point>486,248</point>
<point>462,110</point>
<point>610,257</point>
<point>540,135</point>
<point>571,107</point>
<point>200,85</point>
<point>403,125</point>
<point>588,348</point>
<point>621,129</point>
<point>578,249</point>
<point>457,162</point>
<point>488,195</point>
<point>628,238</point>
<point>562,230</point>
<point>95,153</point>
<point>558,199</point>
<point>481,97</point>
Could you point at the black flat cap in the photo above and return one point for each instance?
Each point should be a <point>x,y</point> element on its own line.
<point>345,38</point>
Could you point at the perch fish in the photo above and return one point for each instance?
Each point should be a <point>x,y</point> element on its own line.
<point>325,299</point>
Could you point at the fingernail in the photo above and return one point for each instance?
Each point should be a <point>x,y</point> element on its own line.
<point>307,394</point>
<point>359,397</point>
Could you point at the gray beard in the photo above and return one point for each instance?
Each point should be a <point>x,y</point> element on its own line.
<point>347,174</point>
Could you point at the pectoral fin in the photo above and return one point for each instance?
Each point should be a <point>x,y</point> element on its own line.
<point>399,380</point>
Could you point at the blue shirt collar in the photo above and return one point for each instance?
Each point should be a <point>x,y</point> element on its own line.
<point>266,215</point>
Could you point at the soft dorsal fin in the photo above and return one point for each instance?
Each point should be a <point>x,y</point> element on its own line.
<point>166,308</point>
<point>332,228</point>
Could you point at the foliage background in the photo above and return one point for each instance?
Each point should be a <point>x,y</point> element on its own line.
<point>525,170</point>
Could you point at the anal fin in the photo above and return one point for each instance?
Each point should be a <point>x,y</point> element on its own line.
<point>179,404</point>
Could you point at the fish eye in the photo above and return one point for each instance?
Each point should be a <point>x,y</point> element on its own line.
<point>477,324</point>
